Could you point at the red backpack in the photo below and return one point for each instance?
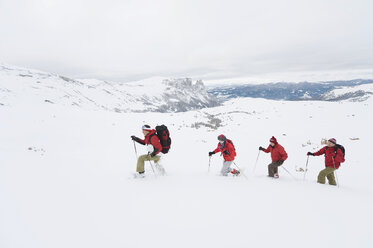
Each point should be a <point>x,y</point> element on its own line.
<point>234,148</point>
<point>164,138</point>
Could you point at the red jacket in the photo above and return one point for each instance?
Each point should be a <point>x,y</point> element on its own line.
<point>329,155</point>
<point>151,139</point>
<point>277,152</point>
<point>228,147</point>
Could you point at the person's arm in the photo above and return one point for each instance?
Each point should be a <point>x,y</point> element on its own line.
<point>156,144</point>
<point>283,154</point>
<point>138,140</point>
<point>217,149</point>
<point>320,152</point>
<point>267,150</point>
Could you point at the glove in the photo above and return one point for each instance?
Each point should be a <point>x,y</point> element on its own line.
<point>281,161</point>
<point>133,137</point>
<point>152,154</point>
<point>310,154</point>
<point>226,152</point>
<point>211,153</point>
<point>261,148</point>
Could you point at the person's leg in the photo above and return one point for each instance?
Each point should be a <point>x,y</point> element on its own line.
<point>323,174</point>
<point>141,162</point>
<point>331,177</point>
<point>226,168</point>
<point>271,169</point>
<point>275,168</point>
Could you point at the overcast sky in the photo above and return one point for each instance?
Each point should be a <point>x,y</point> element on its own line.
<point>214,40</point>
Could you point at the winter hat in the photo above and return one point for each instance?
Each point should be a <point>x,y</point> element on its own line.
<point>146,128</point>
<point>273,140</point>
<point>221,137</point>
<point>334,141</point>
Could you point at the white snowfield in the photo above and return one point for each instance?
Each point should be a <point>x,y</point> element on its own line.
<point>154,94</point>
<point>358,93</point>
<point>66,177</point>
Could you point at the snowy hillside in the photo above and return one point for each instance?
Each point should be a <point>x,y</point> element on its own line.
<point>169,95</point>
<point>65,173</point>
<point>319,91</point>
<point>358,93</point>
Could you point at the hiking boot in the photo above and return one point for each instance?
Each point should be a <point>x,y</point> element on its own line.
<point>276,176</point>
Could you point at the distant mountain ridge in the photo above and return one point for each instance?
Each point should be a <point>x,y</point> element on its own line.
<point>324,91</point>
<point>19,85</point>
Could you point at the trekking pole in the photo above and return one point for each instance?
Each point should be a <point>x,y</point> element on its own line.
<point>336,177</point>
<point>151,165</point>
<point>304,176</point>
<point>134,145</point>
<point>288,172</point>
<point>209,163</point>
<point>256,162</point>
<point>240,170</point>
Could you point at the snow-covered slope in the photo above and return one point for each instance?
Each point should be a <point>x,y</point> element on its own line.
<point>65,177</point>
<point>353,90</point>
<point>155,94</point>
<point>358,93</point>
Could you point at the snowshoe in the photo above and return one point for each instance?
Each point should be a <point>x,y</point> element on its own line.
<point>236,172</point>
<point>139,175</point>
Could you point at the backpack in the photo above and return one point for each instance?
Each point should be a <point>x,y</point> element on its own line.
<point>234,148</point>
<point>336,147</point>
<point>164,138</point>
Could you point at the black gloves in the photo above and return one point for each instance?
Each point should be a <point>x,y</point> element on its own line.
<point>261,148</point>
<point>211,153</point>
<point>133,137</point>
<point>226,152</point>
<point>310,154</point>
<point>152,154</point>
<point>281,161</point>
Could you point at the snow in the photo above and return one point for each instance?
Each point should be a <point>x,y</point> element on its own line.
<point>65,177</point>
<point>93,94</point>
<point>365,91</point>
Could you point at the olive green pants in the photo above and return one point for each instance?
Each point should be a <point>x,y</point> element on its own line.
<point>329,173</point>
<point>141,161</point>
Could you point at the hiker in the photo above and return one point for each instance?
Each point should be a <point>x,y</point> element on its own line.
<point>278,155</point>
<point>333,159</point>
<point>154,147</point>
<point>226,147</point>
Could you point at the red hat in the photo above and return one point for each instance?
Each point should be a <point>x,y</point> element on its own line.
<point>334,141</point>
<point>273,140</point>
<point>221,137</point>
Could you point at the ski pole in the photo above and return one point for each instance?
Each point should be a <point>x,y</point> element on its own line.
<point>304,176</point>
<point>151,165</point>
<point>209,163</point>
<point>256,162</point>
<point>240,170</point>
<point>336,177</point>
<point>288,172</point>
<point>134,145</point>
